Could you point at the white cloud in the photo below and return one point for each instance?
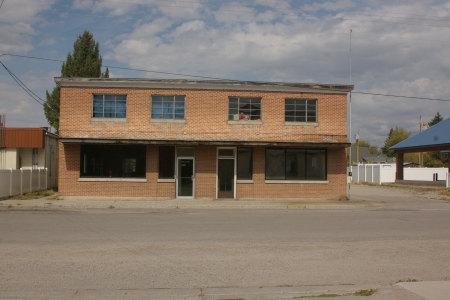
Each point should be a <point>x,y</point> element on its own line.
<point>16,38</point>
<point>329,6</point>
<point>23,10</point>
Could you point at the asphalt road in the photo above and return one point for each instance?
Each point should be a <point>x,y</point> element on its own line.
<point>180,253</point>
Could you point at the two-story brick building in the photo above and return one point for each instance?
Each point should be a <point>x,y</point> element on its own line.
<point>202,139</point>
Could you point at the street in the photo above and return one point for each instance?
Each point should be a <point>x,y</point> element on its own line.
<point>180,253</point>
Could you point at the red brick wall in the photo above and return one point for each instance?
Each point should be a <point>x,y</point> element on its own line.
<point>205,178</point>
<point>206,117</point>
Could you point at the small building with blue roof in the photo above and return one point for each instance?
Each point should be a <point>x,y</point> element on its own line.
<point>435,138</point>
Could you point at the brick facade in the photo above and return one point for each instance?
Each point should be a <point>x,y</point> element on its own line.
<point>206,127</point>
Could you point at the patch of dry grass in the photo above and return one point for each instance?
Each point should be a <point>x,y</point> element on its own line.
<point>33,195</point>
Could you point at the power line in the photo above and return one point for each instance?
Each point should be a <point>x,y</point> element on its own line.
<point>399,96</point>
<point>217,78</point>
<point>1,3</point>
<point>23,86</point>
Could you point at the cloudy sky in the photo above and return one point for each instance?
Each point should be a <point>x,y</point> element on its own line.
<point>398,48</point>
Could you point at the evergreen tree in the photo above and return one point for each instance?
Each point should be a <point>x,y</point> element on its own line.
<point>85,61</point>
<point>436,119</point>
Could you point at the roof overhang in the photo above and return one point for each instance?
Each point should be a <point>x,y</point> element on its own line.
<point>423,148</point>
<point>202,142</point>
<point>203,85</point>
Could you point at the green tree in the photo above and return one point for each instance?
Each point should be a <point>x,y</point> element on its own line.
<point>394,137</point>
<point>85,61</point>
<point>436,119</point>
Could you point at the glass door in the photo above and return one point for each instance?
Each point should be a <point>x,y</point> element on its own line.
<point>225,178</point>
<point>185,177</point>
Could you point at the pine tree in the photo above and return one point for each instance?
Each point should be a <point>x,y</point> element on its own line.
<point>85,61</point>
<point>436,119</point>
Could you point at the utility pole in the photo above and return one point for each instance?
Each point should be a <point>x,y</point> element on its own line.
<point>420,153</point>
<point>422,126</point>
<point>357,147</point>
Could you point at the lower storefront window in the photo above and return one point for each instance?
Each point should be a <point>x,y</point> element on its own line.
<point>296,164</point>
<point>115,161</point>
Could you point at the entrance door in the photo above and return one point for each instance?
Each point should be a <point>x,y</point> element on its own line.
<point>185,178</point>
<point>225,178</point>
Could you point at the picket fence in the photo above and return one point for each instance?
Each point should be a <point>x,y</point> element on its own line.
<point>385,173</point>
<point>24,180</point>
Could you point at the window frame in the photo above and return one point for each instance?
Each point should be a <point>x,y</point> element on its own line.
<point>238,164</point>
<point>164,99</point>
<point>94,111</point>
<point>232,114</point>
<point>296,111</point>
<point>125,153</point>
<point>305,164</point>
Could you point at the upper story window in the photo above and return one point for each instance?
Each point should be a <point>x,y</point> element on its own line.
<point>242,109</point>
<point>300,110</point>
<point>109,106</point>
<point>168,107</point>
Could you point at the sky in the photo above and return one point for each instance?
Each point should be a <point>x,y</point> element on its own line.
<point>397,48</point>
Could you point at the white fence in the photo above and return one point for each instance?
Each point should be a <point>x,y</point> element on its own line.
<point>15,182</point>
<point>385,173</point>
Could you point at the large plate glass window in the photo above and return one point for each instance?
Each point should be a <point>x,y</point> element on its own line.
<point>296,164</point>
<point>168,107</point>
<point>114,161</point>
<point>300,110</point>
<point>243,109</point>
<point>109,106</point>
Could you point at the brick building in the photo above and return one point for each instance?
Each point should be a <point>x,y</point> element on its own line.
<point>202,139</point>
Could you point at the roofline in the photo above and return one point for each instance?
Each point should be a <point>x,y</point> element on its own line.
<point>421,148</point>
<point>203,85</point>
<point>77,140</point>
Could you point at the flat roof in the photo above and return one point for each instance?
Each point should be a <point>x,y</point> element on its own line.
<point>203,85</point>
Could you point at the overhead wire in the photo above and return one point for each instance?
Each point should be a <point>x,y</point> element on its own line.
<point>223,79</point>
<point>23,86</point>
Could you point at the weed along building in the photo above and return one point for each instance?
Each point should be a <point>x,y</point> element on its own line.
<point>202,139</point>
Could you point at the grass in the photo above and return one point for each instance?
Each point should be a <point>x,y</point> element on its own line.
<point>365,292</point>
<point>111,206</point>
<point>320,296</point>
<point>407,280</point>
<point>31,196</point>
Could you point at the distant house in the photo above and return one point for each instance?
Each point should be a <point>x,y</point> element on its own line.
<point>366,157</point>
<point>32,148</point>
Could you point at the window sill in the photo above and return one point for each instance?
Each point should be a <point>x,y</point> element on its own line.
<point>244,181</point>
<point>84,179</point>
<point>301,124</point>
<point>109,120</point>
<point>167,121</point>
<point>245,122</point>
<point>166,180</point>
<point>298,181</point>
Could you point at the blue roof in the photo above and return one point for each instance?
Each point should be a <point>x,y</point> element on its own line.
<point>436,135</point>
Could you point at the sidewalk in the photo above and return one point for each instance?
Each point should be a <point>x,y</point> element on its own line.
<point>52,202</point>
